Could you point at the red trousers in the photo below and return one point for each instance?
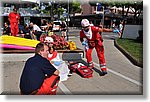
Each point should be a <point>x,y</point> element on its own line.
<point>100,53</point>
<point>14,28</point>
<point>49,86</point>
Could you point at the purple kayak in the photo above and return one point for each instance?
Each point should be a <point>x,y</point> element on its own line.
<point>10,46</point>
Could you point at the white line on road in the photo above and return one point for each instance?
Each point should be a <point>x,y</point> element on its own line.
<point>125,77</point>
<point>67,91</point>
<point>64,89</point>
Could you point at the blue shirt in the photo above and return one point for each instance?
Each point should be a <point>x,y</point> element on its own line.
<point>33,74</point>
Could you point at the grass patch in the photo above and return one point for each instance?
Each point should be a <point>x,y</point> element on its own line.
<point>133,47</point>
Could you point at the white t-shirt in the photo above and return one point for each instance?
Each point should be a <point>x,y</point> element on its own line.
<point>62,68</point>
<point>120,27</point>
<point>36,28</point>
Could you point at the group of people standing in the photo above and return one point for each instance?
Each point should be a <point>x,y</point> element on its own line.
<point>13,18</point>
<point>31,30</point>
<point>15,28</point>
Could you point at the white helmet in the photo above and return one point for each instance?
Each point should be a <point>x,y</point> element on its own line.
<point>85,23</point>
<point>49,39</point>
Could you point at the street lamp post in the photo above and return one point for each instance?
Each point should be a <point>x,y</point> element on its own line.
<point>68,23</point>
<point>103,15</point>
<point>51,10</point>
<point>98,11</point>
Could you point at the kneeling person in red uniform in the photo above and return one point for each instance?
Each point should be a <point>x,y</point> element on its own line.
<point>38,76</point>
<point>90,38</point>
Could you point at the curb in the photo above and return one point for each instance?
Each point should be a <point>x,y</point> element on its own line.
<point>128,55</point>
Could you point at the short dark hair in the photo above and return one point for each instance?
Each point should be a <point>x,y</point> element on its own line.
<point>39,47</point>
<point>6,23</point>
<point>15,9</point>
<point>52,47</point>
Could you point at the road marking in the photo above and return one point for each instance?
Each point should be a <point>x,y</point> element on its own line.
<point>67,91</point>
<point>122,76</point>
<point>125,77</point>
<point>64,89</point>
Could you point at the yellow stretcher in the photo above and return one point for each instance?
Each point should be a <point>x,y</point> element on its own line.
<point>18,41</point>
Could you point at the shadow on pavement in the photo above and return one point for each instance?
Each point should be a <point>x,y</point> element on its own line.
<point>98,71</point>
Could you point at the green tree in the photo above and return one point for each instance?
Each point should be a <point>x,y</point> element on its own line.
<point>75,7</point>
<point>136,6</point>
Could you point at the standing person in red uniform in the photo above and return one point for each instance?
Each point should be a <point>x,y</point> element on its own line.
<point>14,18</point>
<point>90,38</point>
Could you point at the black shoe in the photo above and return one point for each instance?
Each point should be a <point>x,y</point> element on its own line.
<point>70,74</point>
<point>104,73</point>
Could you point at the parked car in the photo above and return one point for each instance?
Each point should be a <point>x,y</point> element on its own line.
<point>57,25</point>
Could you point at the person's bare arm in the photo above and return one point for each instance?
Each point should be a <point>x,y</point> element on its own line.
<point>109,30</point>
<point>56,72</point>
<point>52,62</point>
<point>105,30</point>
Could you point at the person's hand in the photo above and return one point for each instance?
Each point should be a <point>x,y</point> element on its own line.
<point>84,43</point>
<point>57,63</point>
<point>52,62</point>
<point>116,31</point>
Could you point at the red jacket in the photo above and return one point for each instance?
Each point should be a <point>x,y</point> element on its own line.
<point>95,34</point>
<point>14,17</point>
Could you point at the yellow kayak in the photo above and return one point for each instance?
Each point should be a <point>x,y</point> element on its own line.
<point>18,41</point>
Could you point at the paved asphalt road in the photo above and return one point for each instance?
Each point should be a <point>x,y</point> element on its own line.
<point>122,78</point>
